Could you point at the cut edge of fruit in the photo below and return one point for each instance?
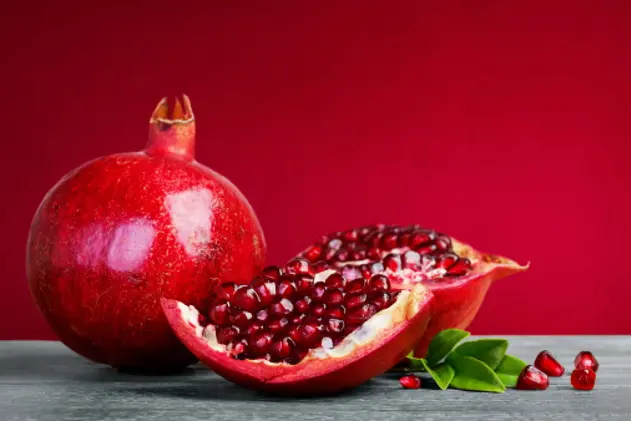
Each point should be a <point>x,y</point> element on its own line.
<point>365,340</point>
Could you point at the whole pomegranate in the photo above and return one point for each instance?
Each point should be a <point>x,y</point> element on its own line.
<point>118,233</point>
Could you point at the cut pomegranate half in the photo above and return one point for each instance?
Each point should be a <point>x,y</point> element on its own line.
<point>457,274</point>
<point>288,332</point>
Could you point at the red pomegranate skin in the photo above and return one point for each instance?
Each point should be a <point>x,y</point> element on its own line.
<point>118,233</point>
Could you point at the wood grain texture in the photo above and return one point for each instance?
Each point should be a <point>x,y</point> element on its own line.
<point>45,381</point>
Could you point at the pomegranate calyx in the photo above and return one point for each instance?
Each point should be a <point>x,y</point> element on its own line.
<point>172,129</point>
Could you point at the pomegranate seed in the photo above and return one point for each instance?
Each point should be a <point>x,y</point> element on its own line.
<point>335,325</point>
<point>404,239</point>
<point>586,359</point>
<point>313,253</point>
<point>461,267</point>
<point>350,236</point>
<point>333,297</point>
<point>382,300</point>
<point>318,310</point>
<point>320,266</point>
<point>531,378</point>
<point>262,315</point>
<point>335,280</point>
<point>410,382</point>
<point>254,327</point>
<point>278,325</point>
<point>246,299</point>
<point>355,300</point>
<point>445,261</point>
<point>226,291</point>
<point>443,243</point>
<point>361,314</point>
<point>356,285</point>
<point>272,272</point>
<point>317,293</point>
<point>548,364</point>
<point>266,290</point>
<point>427,262</point>
<point>227,334</point>
<point>334,244</point>
<point>310,335</point>
<point>297,319</point>
<point>260,343</point>
<point>419,239</point>
<point>302,305</point>
<point>239,348</point>
<point>392,262</point>
<point>295,333</point>
<point>583,379</point>
<point>286,289</point>
<point>341,255</point>
<point>299,267</point>
<point>283,348</point>
<point>373,253</point>
<point>335,312</point>
<point>430,248</point>
<point>240,318</point>
<point>303,283</point>
<point>282,308</point>
<point>411,260</point>
<point>365,270</point>
<point>379,283</point>
<point>389,241</point>
<point>359,254</point>
<point>219,314</point>
<point>351,272</point>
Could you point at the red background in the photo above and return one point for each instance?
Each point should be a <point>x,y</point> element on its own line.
<point>505,124</point>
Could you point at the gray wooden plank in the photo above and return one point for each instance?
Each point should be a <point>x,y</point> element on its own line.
<point>45,381</point>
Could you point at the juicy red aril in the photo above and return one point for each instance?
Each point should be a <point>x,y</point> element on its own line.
<point>259,343</point>
<point>278,325</point>
<point>272,272</point>
<point>226,334</point>
<point>389,241</point>
<point>335,280</point>
<point>282,308</point>
<point>303,283</point>
<point>283,348</point>
<point>226,291</point>
<point>266,291</point>
<point>531,378</point>
<point>361,314</point>
<point>335,312</point>
<point>359,254</point>
<point>333,297</point>
<point>254,327</point>
<point>299,266</point>
<point>286,289</point>
<point>262,315</point>
<point>431,248</point>
<point>309,335</point>
<point>313,253</point>
<point>240,318</point>
<point>459,268</point>
<point>350,236</point>
<point>355,285</point>
<point>392,262</point>
<point>297,319</point>
<point>341,255</point>
<point>381,300</point>
<point>583,379</point>
<point>302,305</point>
<point>335,325</point>
<point>446,260</point>
<point>586,359</point>
<point>548,364</point>
<point>355,300</point>
<point>318,310</point>
<point>410,381</point>
<point>219,314</point>
<point>443,243</point>
<point>246,299</point>
<point>379,283</point>
<point>318,292</point>
<point>421,239</point>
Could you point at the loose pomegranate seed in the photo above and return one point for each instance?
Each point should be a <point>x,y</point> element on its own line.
<point>246,299</point>
<point>361,314</point>
<point>583,379</point>
<point>379,283</point>
<point>531,378</point>
<point>333,297</point>
<point>226,291</point>
<point>299,266</point>
<point>356,285</point>
<point>219,314</point>
<point>392,261</point>
<point>335,280</point>
<point>548,364</point>
<point>410,382</point>
<point>272,272</point>
<point>355,300</point>
<point>586,359</point>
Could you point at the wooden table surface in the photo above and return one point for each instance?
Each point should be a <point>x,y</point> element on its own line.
<point>45,381</point>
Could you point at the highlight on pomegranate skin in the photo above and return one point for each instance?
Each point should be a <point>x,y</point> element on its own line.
<point>457,274</point>
<point>118,232</point>
<point>293,331</point>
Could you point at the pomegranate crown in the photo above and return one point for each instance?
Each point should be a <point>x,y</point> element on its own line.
<point>172,129</point>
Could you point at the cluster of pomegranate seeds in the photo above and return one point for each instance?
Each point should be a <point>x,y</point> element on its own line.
<point>531,378</point>
<point>548,364</point>
<point>410,382</point>
<point>371,250</point>
<point>283,314</point>
<point>585,368</point>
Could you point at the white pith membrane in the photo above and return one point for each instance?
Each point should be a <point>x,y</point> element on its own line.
<point>404,307</point>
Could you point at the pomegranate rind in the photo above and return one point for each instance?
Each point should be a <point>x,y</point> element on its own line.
<point>317,373</point>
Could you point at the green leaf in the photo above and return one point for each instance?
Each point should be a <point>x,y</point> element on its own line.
<point>472,374</point>
<point>509,369</point>
<point>489,351</point>
<point>417,364</point>
<point>442,343</point>
<point>442,374</point>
